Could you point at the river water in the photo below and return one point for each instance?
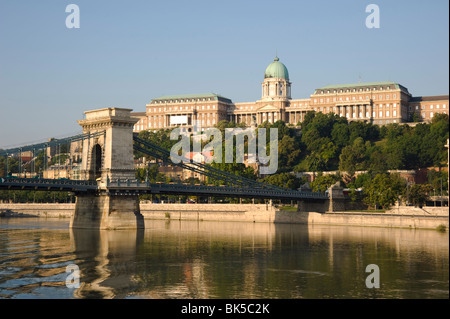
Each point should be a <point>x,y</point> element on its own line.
<point>43,258</point>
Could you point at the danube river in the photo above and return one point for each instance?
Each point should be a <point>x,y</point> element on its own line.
<point>43,258</point>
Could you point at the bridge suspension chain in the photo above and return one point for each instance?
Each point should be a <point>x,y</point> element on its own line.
<point>191,168</point>
<point>55,142</point>
<point>163,154</point>
<point>39,147</point>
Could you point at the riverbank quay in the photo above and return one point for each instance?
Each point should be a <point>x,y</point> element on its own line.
<point>397,217</point>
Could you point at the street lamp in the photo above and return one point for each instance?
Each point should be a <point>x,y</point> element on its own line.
<point>448,173</point>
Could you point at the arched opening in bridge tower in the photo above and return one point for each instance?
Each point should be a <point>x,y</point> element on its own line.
<point>97,161</point>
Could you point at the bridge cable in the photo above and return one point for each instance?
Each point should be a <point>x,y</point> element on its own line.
<point>221,175</point>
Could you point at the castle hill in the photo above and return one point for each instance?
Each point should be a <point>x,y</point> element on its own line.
<point>372,148</point>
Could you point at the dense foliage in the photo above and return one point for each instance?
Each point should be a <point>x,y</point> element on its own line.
<point>327,142</point>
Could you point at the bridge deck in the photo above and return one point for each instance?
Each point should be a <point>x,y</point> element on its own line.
<point>133,187</point>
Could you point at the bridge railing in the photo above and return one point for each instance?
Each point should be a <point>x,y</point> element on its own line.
<point>124,183</point>
<point>234,191</point>
<point>40,181</point>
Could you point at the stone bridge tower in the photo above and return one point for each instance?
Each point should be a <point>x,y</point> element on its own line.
<point>108,156</point>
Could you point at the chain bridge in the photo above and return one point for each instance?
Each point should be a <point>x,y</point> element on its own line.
<point>107,191</point>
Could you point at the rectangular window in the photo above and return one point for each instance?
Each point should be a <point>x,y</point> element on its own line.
<point>395,113</point>
<point>387,113</point>
<point>381,113</point>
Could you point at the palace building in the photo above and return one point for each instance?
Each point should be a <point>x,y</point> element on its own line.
<point>375,102</point>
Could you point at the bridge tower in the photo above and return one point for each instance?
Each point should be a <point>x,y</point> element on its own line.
<point>107,157</point>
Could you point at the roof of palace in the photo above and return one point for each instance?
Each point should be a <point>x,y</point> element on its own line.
<point>276,69</point>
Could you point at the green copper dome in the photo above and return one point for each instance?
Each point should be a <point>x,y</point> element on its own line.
<point>276,69</point>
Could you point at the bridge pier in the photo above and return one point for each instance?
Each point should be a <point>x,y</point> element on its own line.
<point>104,211</point>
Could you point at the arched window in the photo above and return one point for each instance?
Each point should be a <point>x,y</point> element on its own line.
<point>96,164</point>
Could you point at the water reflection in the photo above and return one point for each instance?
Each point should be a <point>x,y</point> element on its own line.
<point>246,260</point>
<point>200,259</point>
<point>107,259</point>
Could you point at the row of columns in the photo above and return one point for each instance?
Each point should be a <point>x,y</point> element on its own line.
<point>294,116</point>
<point>360,111</point>
<point>271,117</point>
<point>276,88</point>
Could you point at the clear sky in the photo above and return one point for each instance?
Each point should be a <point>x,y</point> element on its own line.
<point>126,53</point>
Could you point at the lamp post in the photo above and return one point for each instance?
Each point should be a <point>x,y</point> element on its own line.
<point>448,173</point>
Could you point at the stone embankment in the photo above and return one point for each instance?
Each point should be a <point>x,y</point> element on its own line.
<point>403,217</point>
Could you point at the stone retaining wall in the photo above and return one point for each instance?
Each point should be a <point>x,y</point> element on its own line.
<point>41,210</point>
<point>406,217</point>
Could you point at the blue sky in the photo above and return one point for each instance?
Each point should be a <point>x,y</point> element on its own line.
<point>127,52</point>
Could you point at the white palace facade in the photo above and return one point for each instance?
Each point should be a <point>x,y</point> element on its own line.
<point>375,102</point>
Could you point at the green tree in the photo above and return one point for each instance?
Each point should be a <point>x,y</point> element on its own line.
<point>323,182</point>
<point>340,134</point>
<point>288,152</point>
<point>352,157</point>
<point>438,180</point>
<point>285,180</point>
<point>383,190</point>
<point>419,194</point>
